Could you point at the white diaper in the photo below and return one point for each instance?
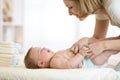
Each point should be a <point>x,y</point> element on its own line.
<point>87,63</point>
<point>114,60</point>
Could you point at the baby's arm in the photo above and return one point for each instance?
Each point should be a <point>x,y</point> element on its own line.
<point>61,62</point>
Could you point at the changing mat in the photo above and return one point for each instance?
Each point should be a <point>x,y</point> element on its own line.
<point>21,73</point>
<point>58,74</point>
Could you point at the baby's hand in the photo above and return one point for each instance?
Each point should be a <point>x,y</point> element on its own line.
<point>85,51</point>
<point>76,47</point>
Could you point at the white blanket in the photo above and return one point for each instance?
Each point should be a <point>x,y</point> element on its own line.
<point>58,74</point>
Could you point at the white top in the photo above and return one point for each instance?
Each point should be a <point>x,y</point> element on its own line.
<point>102,17</point>
<point>113,11</point>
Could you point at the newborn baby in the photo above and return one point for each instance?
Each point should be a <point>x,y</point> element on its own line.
<point>38,57</point>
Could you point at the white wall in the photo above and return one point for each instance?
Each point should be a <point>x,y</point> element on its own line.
<point>18,14</point>
<point>48,24</point>
<point>1,20</point>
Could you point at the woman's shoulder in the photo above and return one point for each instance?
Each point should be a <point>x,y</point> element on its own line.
<point>102,16</point>
<point>111,7</point>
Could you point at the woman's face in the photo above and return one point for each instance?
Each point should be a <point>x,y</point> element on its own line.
<point>73,7</point>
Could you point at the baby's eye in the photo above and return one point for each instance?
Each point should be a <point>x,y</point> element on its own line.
<point>70,7</point>
<point>48,50</point>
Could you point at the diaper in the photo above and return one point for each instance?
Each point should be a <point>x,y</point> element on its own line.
<point>117,67</point>
<point>114,61</point>
<point>87,63</point>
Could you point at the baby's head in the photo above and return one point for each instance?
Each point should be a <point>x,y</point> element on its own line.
<point>37,57</point>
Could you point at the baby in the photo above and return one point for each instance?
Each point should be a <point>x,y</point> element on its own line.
<point>37,57</point>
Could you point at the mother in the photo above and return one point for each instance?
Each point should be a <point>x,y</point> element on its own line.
<point>105,11</point>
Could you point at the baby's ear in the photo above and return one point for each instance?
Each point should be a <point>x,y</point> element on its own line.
<point>41,64</point>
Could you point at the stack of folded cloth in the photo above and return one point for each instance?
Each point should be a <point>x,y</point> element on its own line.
<point>9,54</point>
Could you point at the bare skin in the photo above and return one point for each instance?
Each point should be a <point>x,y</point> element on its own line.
<point>101,26</point>
<point>67,58</point>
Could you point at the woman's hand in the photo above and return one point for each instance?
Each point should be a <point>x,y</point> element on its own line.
<point>95,48</point>
<point>76,47</point>
<point>85,51</point>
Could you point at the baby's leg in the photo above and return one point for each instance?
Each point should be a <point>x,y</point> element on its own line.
<point>103,57</point>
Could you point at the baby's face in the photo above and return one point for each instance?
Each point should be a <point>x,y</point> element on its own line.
<point>41,56</point>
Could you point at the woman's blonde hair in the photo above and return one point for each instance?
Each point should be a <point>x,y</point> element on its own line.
<point>88,7</point>
<point>29,63</point>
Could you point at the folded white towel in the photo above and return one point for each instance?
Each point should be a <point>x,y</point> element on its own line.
<point>9,63</point>
<point>14,49</point>
<point>6,62</point>
<point>9,59</point>
<point>8,51</point>
<point>9,46</point>
<point>6,65</point>
<point>6,43</point>
<point>5,59</point>
<point>5,56</point>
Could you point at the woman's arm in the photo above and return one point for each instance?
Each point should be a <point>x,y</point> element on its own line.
<point>100,32</point>
<point>97,48</point>
<point>101,28</point>
<point>112,44</point>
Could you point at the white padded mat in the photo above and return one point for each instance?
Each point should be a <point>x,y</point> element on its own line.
<point>58,74</point>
